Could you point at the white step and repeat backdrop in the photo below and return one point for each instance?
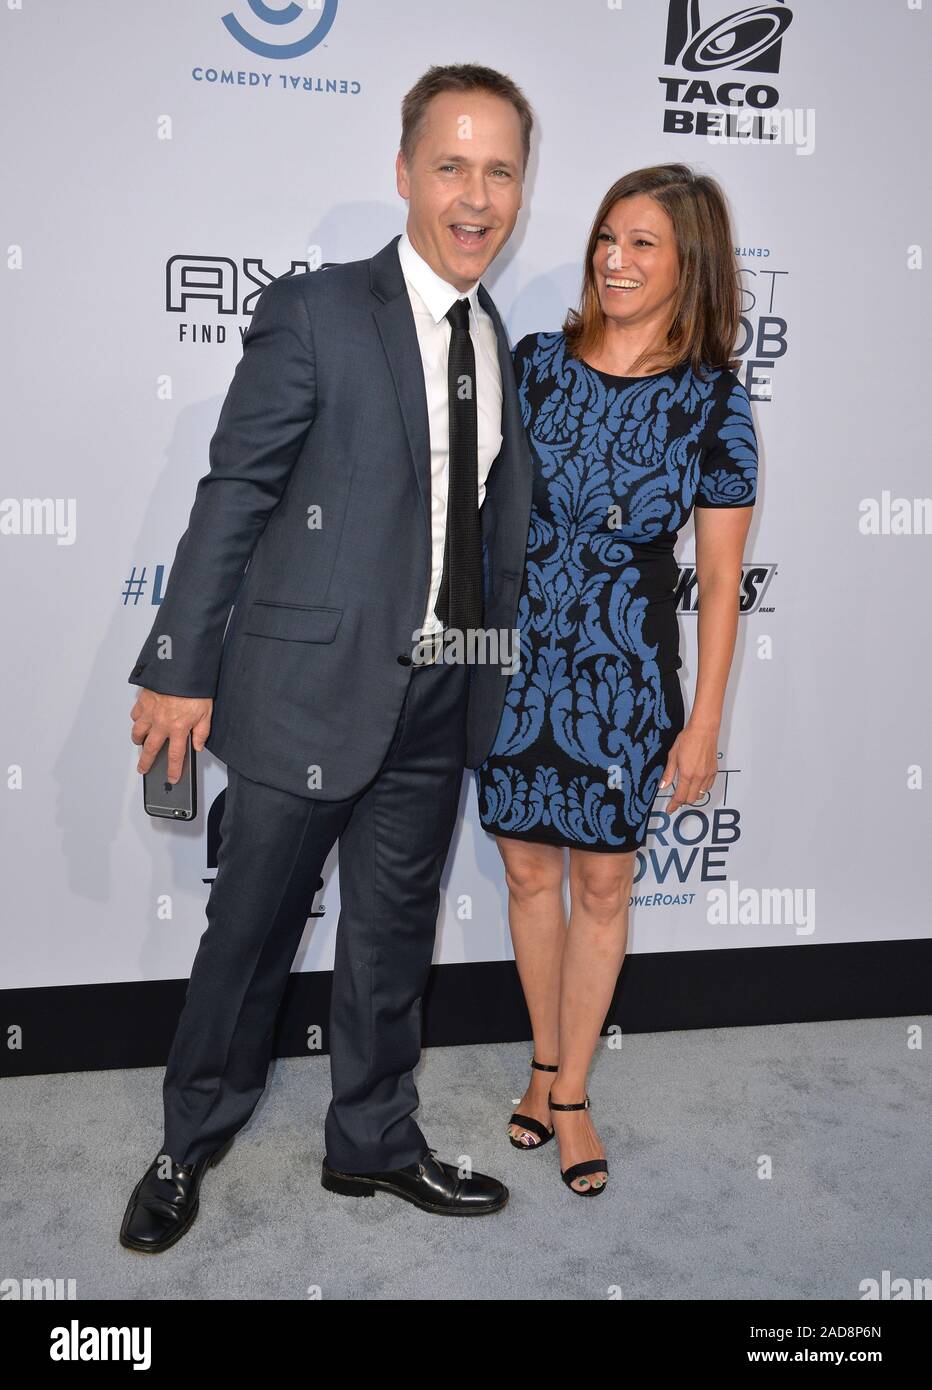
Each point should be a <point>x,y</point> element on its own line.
<point>260,138</point>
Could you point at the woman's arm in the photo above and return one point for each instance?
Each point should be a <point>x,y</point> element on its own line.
<point>720,537</point>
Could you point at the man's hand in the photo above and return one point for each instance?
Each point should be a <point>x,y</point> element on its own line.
<point>159,717</point>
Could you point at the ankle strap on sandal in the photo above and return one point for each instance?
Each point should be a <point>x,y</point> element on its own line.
<point>542,1066</point>
<point>580,1105</point>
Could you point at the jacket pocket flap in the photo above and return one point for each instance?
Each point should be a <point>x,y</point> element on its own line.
<point>291,622</point>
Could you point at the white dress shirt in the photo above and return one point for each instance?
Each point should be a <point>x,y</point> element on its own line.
<point>431,297</point>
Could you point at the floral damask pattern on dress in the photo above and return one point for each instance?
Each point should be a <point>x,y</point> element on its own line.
<point>591,714</point>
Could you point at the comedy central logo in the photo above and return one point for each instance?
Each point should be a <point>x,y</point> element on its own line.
<point>745,40</point>
<point>289,20</point>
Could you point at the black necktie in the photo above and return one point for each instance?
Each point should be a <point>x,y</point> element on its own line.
<point>459,602</point>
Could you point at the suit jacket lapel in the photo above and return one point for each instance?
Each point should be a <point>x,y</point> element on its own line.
<point>514,456</point>
<point>395,323</point>
<point>511,418</point>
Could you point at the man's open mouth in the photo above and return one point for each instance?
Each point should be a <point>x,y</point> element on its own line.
<point>469,233</point>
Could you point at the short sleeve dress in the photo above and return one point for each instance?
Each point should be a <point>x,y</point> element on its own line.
<point>595,705</point>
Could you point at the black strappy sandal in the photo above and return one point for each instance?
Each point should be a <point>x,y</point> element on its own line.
<point>544,1135</point>
<point>582,1170</point>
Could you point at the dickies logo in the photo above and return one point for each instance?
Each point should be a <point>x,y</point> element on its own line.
<point>749,39</point>
<point>271,23</point>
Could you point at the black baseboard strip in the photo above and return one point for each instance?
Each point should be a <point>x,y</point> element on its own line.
<point>103,1026</point>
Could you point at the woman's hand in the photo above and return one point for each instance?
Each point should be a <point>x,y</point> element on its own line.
<point>693,761</point>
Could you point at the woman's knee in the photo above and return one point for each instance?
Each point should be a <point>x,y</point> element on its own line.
<point>532,870</point>
<point>600,884</point>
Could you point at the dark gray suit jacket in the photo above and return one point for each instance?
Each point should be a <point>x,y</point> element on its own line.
<point>327,409</point>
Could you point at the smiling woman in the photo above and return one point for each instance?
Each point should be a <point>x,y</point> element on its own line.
<point>634,417</point>
<point>660,280</point>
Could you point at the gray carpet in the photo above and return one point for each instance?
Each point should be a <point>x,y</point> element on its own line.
<point>840,1109</point>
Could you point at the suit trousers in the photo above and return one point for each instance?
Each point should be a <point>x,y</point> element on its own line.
<point>394,836</point>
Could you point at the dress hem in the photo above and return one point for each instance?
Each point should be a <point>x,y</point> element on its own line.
<point>563,844</point>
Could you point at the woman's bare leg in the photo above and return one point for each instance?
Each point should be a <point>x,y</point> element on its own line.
<point>537,919</point>
<point>600,886</point>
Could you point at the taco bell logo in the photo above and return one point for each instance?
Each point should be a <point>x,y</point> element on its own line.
<point>289,21</point>
<point>706,99</point>
<point>749,39</point>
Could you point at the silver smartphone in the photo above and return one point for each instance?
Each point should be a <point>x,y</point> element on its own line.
<point>160,798</point>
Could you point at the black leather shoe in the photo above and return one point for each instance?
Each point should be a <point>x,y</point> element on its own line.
<point>429,1184</point>
<point>161,1209</point>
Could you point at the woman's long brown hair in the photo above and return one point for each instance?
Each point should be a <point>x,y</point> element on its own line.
<point>707,303</point>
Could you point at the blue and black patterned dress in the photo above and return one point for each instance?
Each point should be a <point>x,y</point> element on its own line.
<point>591,715</point>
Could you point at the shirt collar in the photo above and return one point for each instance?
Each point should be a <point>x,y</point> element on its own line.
<point>438,295</point>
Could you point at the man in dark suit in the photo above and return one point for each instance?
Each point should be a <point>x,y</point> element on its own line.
<point>370,475</point>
